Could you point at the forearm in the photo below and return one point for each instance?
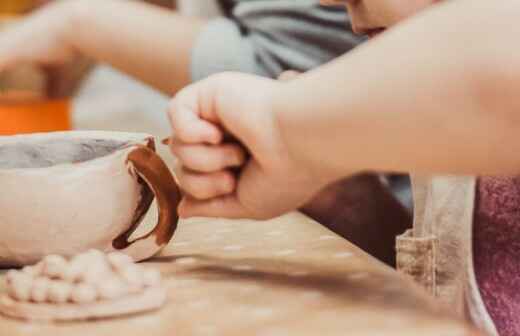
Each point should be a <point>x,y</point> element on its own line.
<point>435,104</point>
<point>149,43</point>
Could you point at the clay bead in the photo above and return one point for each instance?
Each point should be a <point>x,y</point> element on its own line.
<point>84,293</point>
<point>75,269</point>
<point>112,288</point>
<point>19,285</point>
<point>59,292</point>
<point>119,260</point>
<point>54,266</point>
<point>34,270</point>
<point>40,289</point>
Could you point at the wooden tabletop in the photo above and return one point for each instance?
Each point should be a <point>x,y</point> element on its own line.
<point>288,276</point>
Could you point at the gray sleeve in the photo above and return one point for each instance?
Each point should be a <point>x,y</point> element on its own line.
<point>268,37</point>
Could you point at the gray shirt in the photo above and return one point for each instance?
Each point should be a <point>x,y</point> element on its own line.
<point>267,37</point>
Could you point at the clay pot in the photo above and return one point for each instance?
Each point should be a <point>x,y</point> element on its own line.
<point>67,192</point>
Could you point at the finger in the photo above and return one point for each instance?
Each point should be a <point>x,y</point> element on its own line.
<point>206,186</point>
<point>186,122</point>
<point>8,58</point>
<point>6,61</point>
<point>222,207</point>
<point>206,159</point>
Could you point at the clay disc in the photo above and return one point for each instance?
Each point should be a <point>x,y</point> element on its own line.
<point>150,299</point>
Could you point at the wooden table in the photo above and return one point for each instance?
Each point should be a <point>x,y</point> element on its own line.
<point>288,276</point>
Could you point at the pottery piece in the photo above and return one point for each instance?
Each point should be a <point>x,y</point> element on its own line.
<point>89,285</point>
<point>66,192</point>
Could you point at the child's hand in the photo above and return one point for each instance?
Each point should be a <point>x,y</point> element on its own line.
<point>269,184</point>
<point>38,39</point>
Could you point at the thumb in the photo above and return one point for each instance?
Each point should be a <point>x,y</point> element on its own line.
<point>230,206</point>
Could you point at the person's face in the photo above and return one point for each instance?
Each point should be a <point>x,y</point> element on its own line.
<point>371,17</point>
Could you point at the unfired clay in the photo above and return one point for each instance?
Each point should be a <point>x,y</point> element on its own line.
<point>67,192</point>
<point>106,285</point>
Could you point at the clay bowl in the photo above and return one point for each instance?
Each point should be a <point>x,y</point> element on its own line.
<point>67,192</point>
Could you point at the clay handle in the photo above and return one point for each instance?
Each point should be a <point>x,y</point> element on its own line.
<point>152,169</point>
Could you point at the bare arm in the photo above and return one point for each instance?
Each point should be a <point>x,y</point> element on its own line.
<point>145,41</point>
<point>437,94</point>
<point>151,44</point>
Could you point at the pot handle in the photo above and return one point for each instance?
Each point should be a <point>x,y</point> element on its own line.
<point>151,168</point>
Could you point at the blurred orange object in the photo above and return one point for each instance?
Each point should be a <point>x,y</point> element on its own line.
<point>24,103</point>
<point>26,112</point>
<point>16,6</point>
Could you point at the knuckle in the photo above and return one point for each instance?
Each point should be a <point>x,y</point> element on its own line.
<point>200,189</point>
<point>182,133</point>
<point>200,193</point>
<point>194,160</point>
<point>219,160</point>
<point>226,182</point>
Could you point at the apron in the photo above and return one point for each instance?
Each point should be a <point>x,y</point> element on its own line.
<point>438,252</point>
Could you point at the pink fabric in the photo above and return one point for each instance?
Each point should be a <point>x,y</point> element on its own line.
<point>497,250</point>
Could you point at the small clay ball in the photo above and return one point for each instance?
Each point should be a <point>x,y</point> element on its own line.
<point>54,266</point>
<point>40,289</point>
<point>88,277</point>
<point>84,293</point>
<point>59,292</point>
<point>19,285</point>
<point>119,260</point>
<point>95,255</point>
<point>96,271</point>
<point>132,275</point>
<point>151,277</point>
<point>11,276</point>
<point>112,288</point>
<point>34,270</point>
<point>74,270</point>
<point>14,277</point>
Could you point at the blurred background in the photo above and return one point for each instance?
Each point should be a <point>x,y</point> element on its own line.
<point>105,100</point>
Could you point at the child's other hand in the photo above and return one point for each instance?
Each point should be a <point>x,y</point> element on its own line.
<point>270,183</point>
<point>39,38</point>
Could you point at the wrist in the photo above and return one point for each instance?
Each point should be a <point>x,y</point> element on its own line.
<point>288,121</point>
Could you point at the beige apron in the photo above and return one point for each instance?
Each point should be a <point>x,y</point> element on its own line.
<point>437,252</point>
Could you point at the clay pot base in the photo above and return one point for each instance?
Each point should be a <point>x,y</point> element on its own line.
<point>150,299</point>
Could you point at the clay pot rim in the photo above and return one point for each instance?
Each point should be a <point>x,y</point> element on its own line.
<point>132,140</point>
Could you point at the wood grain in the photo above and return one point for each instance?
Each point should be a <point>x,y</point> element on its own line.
<point>288,276</point>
